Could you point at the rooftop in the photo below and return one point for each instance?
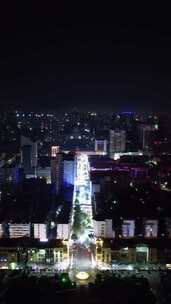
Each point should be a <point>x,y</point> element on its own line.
<point>29,202</point>
<point>29,243</point>
<point>134,242</point>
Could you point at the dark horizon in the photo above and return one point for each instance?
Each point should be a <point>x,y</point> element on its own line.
<point>48,63</point>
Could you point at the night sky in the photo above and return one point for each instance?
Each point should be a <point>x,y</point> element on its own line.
<point>51,61</point>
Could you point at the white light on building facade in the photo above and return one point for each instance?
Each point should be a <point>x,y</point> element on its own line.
<point>54,151</point>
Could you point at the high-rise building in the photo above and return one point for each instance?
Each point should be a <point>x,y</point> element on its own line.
<point>145,136</point>
<point>68,170</point>
<point>28,156</point>
<point>57,171</point>
<point>101,146</point>
<point>101,141</point>
<point>117,142</point>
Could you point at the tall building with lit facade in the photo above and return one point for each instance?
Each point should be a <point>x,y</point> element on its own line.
<point>145,136</point>
<point>117,142</point>
<point>57,171</point>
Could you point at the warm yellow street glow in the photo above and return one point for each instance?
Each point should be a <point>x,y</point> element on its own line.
<point>82,275</point>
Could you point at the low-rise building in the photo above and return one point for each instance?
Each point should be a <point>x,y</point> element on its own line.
<point>137,250</point>
<point>63,231</point>
<point>18,230</point>
<point>103,228</point>
<point>125,228</point>
<point>24,251</point>
<point>40,231</point>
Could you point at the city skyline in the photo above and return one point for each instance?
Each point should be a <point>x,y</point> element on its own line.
<point>85,153</point>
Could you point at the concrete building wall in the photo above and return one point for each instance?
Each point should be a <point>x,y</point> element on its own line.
<point>99,228</point>
<point>109,233</point>
<point>40,232</point>
<point>101,146</point>
<point>128,228</point>
<point>153,255</point>
<point>1,230</point>
<point>151,228</point>
<point>63,231</point>
<point>95,188</point>
<point>103,229</point>
<point>44,173</point>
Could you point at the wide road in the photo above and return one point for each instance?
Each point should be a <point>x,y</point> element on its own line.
<point>82,250</point>
<point>82,191</point>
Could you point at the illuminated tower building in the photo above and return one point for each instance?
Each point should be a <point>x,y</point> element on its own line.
<point>57,171</point>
